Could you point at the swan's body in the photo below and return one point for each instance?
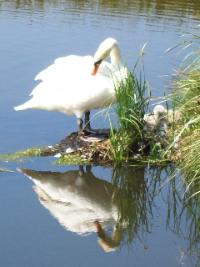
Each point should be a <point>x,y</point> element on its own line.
<point>69,87</point>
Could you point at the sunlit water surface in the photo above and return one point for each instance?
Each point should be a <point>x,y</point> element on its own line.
<point>52,218</point>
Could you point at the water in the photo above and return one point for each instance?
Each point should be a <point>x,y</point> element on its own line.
<point>33,34</point>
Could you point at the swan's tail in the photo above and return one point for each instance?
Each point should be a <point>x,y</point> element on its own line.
<point>27,105</point>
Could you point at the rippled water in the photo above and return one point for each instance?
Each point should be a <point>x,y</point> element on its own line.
<point>50,220</point>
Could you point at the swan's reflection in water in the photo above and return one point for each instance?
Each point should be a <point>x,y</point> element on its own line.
<point>83,203</point>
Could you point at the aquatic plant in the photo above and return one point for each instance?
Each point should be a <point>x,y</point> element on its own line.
<point>19,155</point>
<point>131,104</point>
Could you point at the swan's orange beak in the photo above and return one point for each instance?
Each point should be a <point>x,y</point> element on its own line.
<point>95,68</point>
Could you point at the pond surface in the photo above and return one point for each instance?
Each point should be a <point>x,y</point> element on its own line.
<point>71,215</point>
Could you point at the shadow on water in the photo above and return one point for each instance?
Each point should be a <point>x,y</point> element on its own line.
<point>120,212</point>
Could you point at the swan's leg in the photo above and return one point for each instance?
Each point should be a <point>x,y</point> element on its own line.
<point>80,124</point>
<point>88,129</point>
<point>87,120</point>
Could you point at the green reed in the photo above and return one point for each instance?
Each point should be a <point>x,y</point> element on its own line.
<point>131,104</point>
<point>186,98</point>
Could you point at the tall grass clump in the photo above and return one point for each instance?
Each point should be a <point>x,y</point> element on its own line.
<point>186,99</point>
<point>131,104</point>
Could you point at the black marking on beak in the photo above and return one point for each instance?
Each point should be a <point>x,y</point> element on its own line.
<point>96,67</point>
<point>98,62</point>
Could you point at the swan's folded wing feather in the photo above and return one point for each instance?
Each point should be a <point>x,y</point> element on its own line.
<point>64,69</point>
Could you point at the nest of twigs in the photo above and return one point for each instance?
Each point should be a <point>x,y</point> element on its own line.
<point>84,147</point>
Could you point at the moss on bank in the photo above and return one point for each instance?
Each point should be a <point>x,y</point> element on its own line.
<point>5,170</point>
<point>19,155</point>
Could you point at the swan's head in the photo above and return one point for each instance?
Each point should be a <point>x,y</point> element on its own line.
<point>103,52</point>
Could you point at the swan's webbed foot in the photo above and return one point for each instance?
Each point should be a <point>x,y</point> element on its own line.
<point>98,132</point>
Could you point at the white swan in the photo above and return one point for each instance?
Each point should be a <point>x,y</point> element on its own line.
<point>77,84</point>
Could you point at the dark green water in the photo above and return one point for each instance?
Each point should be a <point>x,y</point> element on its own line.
<point>50,220</point>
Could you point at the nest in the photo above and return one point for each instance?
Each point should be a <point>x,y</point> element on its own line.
<point>83,147</point>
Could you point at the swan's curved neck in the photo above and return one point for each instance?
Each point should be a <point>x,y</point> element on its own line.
<point>115,56</point>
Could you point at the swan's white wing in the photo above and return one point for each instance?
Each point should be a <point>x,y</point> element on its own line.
<point>64,68</point>
<point>117,73</point>
<point>62,65</point>
<point>106,69</point>
<point>74,95</point>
